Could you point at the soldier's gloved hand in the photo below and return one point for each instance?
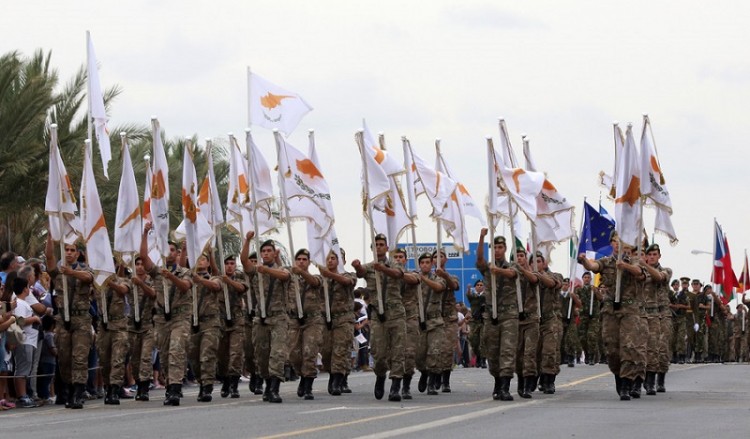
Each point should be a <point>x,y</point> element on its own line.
<point>696,327</point>
<point>195,328</point>
<point>381,317</point>
<point>167,316</point>
<point>229,322</point>
<point>329,325</point>
<point>252,314</point>
<point>522,315</point>
<point>617,306</point>
<point>423,326</point>
<point>66,325</point>
<point>495,321</point>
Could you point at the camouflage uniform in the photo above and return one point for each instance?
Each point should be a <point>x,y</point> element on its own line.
<point>251,310</point>
<point>500,339</point>
<point>337,341</point>
<point>231,347</point>
<point>387,337</point>
<point>142,336</point>
<point>270,335</point>
<point>620,328</point>
<point>679,325</point>
<point>589,329</point>
<point>74,342</point>
<point>112,341</point>
<point>204,340</point>
<point>699,346</point>
<point>717,333</point>
<point>411,305</point>
<point>652,319</point>
<point>450,317</point>
<point>477,302</point>
<point>431,339</point>
<point>664,352</point>
<point>691,319</point>
<point>528,329</point>
<point>306,338</point>
<point>172,335</point>
<point>550,327</point>
<point>571,343</point>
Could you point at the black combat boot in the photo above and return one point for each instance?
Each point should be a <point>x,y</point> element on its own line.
<point>530,384</point>
<point>660,382</point>
<point>681,359</point>
<point>550,390</point>
<point>438,380</point>
<point>207,390</point>
<point>543,383</point>
<point>336,381</point>
<point>63,395</point>
<point>406,388</point>
<point>114,395</point>
<point>650,383</point>
<point>505,389</point>
<point>395,393</point>
<point>534,383</point>
<point>224,387</point>
<point>253,383</point>
<point>301,387</point>
<point>344,383</point>
<point>618,384</point>
<point>331,379</point>
<point>144,391</point>
<point>234,384</point>
<point>258,385</point>
<point>571,361</point>
<point>422,385</point>
<point>267,390</point>
<point>308,388</point>
<point>525,382</point>
<point>273,395</point>
<point>432,386</point>
<point>625,387</point>
<point>379,387</point>
<point>107,395</point>
<point>521,388</point>
<point>172,395</point>
<point>635,387</point>
<point>446,381</point>
<point>497,389</point>
<point>78,399</point>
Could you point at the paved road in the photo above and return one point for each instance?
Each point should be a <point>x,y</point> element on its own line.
<point>702,401</point>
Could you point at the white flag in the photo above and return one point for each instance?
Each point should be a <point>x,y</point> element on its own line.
<point>437,186</point>
<point>128,225</point>
<point>261,183</point>
<point>60,203</point>
<point>197,229</point>
<point>653,185</point>
<point>93,227</point>
<point>96,104</point>
<point>520,185</point>
<point>384,158</point>
<point>321,244</point>
<point>628,221</point>
<point>274,107</point>
<point>208,197</point>
<point>153,251</point>
<point>390,216</point>
<point>469,207</point>
<point>160,192</point>
<point>238,188</point>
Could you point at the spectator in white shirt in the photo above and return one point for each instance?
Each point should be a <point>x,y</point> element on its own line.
<point>24,353</point>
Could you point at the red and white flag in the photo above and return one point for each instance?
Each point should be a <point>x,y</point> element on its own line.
<point>628,221</point>
<point>273,107</point>
<point>93,227</point>
<point>128,224</point>
<point>198,232</point>
<point>96,106</point>
<point>159,199</point>
<point>60,203</point>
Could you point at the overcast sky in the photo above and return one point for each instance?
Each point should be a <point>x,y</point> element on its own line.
<point>560,72</point>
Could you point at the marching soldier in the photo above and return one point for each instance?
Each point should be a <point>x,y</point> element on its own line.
<point>388,329</point>
<point>528,326</point>
<point>204,340</point>
<point>621,320</point>
<point>477,302</point>
<point>550,326</point>
<point>251,309</point>
<point>173,327</point>
<point>271,325</point>
<point>432,335</point>
<point>589,330</point>
<point>142,330</point>
<point>112,342</point>
<point>655,289</point>
<point>701,309</point>
<point>500,336</point>
<point>231,346</point>
<point>305,334</point>
<point>411,306</point>
<point>679,304</point>
<point>450,319</point>
<point>339,335</point>
<point>570,339</point>
<point>74,336</point>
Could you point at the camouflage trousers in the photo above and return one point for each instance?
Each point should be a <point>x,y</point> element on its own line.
<point>338,343</point>
<point>528,342</point>
<point>621,330</point>
<point>270,342</point>
<point>653,322</point>
<point>73,348</point>
<point>429,348</point>
<point>249,346</point>
<point>550,332</point>
<point>387,346</point>
<point>231,353</point>
<point>699,346</point>
<point>589,336</point>
<point>410,345</point>
<point>113,347</point>
<point>665,353</point>
<point>172,342</point>
<point>716,337</point>
<point>475,338</point>
<point>499,343</point>
<point>305,342</point>
<point>141,346</point>
<point>570,340</point>
<point>691,319</point>
<point>679,335</point>
<point>449,344</point>
<point>202,350</point>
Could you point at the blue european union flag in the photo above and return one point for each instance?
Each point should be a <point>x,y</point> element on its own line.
<point>597,225</point>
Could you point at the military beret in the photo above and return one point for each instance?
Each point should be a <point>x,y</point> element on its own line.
<point>613,235</point>
<point>400,251</point>
<point>653,247</point>
<point>424,256</point>
<point>381,237</point>
<point>302,251</point>
<point>685,279</point>
<point>499,240</point>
